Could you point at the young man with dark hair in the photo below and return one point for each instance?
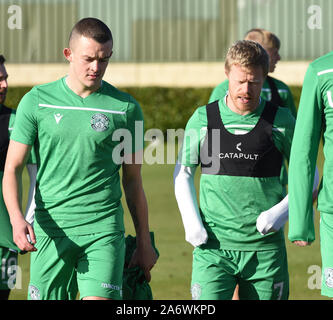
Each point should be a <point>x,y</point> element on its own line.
<point>78,234</point>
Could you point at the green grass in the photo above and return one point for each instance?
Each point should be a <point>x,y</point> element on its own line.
<point>172,273</point>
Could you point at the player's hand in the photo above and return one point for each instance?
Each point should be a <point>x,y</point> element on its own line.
<point>145,258</point>
<point>24,235</point>
<point>302,243</point>
<point>196,237</point>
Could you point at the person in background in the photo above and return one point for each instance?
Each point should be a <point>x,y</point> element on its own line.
<point>8,249</point>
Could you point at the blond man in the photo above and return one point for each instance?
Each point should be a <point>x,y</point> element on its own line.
<point>240,152</point>
<point>279,93</point>
<point>273,89</point>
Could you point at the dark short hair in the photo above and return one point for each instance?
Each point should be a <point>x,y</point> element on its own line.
<point>92,28</point>
<point>2,59</point>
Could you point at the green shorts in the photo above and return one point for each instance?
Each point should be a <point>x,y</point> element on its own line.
<point>326,248</point>
<point>8,264</point>
<point>261,275</point>
<point>91,264</point>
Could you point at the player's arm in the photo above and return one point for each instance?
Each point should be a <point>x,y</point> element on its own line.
<point>186,197</point>
<point>274,218</point>
<point>12,187</point>
<point>144,256</point>
<point>29,214</point>
<point>303,161</point>
<point>32,172</point>
<point>184,187</point>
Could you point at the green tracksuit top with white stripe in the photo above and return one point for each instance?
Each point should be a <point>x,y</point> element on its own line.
<point>231,204</point>
<point>78,185</point>
<point>314,118</point>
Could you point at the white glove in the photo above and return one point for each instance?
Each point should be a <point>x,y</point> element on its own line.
<point>186,196</point>
<point>274,218</point>
<point>31,206</point>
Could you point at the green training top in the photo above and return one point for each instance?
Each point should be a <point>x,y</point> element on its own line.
<point>230,205</point>
<point>315,116</point>
<point>78,151</point>
<point>284,92</point>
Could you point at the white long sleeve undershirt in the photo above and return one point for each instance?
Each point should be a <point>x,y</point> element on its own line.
<point>186,196</point>
<point>274,218</point>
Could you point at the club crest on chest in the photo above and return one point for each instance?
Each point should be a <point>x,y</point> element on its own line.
<point>99,122</point>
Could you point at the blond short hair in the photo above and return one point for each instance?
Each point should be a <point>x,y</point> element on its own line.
<point>266,38</point>
<point>247,54</point>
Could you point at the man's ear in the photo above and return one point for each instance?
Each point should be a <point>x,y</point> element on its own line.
<point>226,73</point>
<point>68,54</point>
